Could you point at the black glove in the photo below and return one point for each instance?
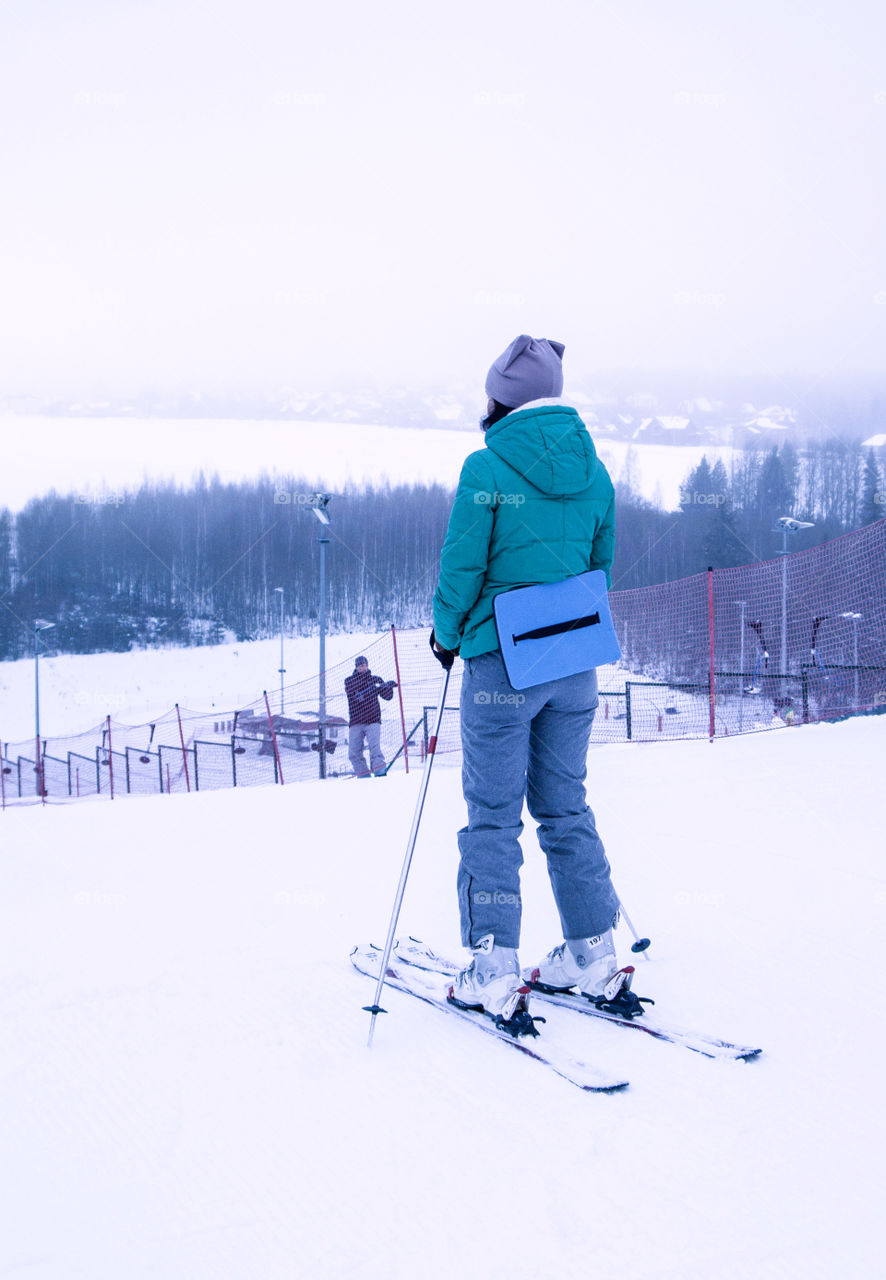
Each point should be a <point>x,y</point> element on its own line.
<point>446,657</point>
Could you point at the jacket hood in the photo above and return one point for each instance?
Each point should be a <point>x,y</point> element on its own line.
<point>550,446</point>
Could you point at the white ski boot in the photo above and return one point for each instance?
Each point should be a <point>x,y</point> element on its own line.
<point>492,984</point>
<point>588,964</point>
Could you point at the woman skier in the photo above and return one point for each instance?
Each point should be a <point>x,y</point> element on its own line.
<point>534,505</point>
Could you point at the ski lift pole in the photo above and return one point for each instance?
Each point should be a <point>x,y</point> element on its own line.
<point>375,1008</point>
<point>400,697</point>
<point>712,725</point>
<point>763,653</point>
<point>741,604</point>
<point>184,752</point>
<point>816,661</point>
<point>146,758</point>
<point>277,763</point>
<point>110,759</point>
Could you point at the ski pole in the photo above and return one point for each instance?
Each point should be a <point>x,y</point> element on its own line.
<point>375,1008</point>
<point>640,944</point>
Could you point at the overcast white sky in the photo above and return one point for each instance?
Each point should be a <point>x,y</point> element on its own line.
<point>200,193</point>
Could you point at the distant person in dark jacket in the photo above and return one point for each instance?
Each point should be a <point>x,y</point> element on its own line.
<point>364,690</point>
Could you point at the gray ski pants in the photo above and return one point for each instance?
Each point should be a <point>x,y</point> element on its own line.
<point>372,733</point>
<point>530,745</point>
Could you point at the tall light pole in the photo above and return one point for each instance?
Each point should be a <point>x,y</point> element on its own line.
<point>742,604</point>
<point>854,618</point>
<point>282,668</point>
<point>39,625</point>
<point>318,505</point>
<point>785,525</point>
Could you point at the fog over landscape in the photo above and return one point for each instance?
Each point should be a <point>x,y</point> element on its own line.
<point>256,259</point>
<point>222,200</point>
<point>249,249</point>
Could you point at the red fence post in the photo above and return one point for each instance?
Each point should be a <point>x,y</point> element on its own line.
<point>711,645</point>
<point>274,739</point>
<point>184,752</point>
<point>400,692</point>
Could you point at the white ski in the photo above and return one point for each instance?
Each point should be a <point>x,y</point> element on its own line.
<point>415,953</point>
<point>432,989</point>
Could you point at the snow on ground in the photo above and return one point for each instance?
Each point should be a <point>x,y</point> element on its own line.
<point>657,470</point>
<point>92,456</point>
<point>186,1091</point>
<point>79,690</point>
<point>99,457</point>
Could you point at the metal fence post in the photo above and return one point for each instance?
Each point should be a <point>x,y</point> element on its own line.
<point>277,765</point>
<point>184,751</point>
<point>712,724</point>
<point>110,759</point>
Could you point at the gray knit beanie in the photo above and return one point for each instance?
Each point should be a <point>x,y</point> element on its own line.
<point>530,369</point>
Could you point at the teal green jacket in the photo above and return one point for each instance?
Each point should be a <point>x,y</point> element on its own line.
<point>535,505</point>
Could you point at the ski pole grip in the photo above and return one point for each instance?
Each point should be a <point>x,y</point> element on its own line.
<point>446,657</point>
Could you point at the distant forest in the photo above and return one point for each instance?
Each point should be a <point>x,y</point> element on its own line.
<point>172,565</point>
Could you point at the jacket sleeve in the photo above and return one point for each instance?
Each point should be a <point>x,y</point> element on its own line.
<point>604,543</point>
<point>465,552</point>
<point>384,688</point>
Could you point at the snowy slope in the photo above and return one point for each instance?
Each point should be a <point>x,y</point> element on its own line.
<point>186,1091</point>
<point>79,690</point>
<point>96,458</point>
